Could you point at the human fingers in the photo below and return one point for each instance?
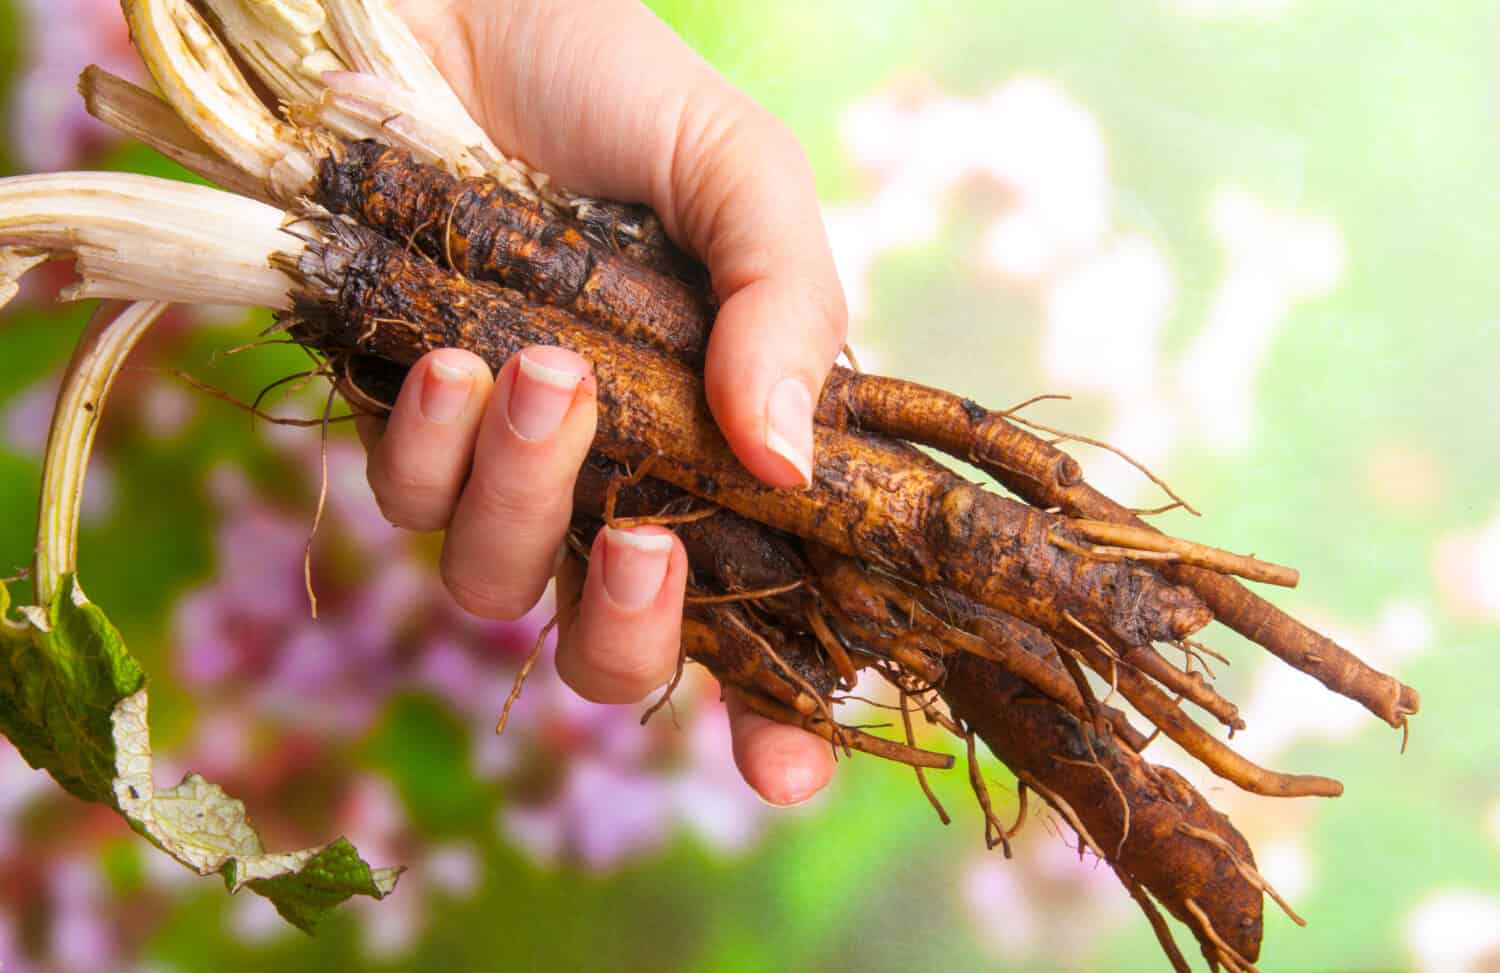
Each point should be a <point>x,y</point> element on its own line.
<point>623,638</point>
<point>602,95</point>
<point>502,542</point>
<point>418,463</point>
<point>784,764</point>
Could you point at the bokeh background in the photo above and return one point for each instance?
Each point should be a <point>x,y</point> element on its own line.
<point>1254,239</point>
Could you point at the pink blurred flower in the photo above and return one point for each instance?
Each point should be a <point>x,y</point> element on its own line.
<point>166,409</point>
<point>616,790</point>
<point>588,783</point>
<point>1467,566</point>
<point>1046,902</point>
<point>372,817</point>
<point>50,129</point>
<point>81,936</point>
<point>26,417</point>
<point>1455,931</point>
<point>11,958</point>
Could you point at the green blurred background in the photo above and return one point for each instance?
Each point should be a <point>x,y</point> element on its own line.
<point>1255,240</point>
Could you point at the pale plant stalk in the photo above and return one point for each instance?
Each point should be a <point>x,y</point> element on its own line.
<point>195,822</point>
<point>284,43</point>
<point>342,69</point>
<point>197,76</point>
<point>364,106</point>
<point>142,115</point>
<point>143,238</point>
<point>134,238</point>
<point>377,43</point>
<point>97,360</point>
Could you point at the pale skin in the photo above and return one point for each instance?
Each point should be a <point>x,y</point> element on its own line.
<point>603,96</point>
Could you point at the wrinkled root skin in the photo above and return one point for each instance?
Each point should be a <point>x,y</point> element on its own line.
<point>484,231</point>
<point>377,307</point>
<point>1024,728</point>
<point>981,610</point>
<point>870,497</point>
<point>664,301</point>
<point>1043,475</point>
<point>1028,733</point>
<point>736,660</point>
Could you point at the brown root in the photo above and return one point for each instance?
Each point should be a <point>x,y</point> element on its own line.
<point>1130,541</point>
<point>512,245</point>
<point>870,498</point>
<point>1157,707</point>
<point>1154,917</point>
<point>844,735</point>
<point>525,670</point>
<point>994,831</point>
<point>911,741</point>
<point>1086,788</point>
<point>666,694</point>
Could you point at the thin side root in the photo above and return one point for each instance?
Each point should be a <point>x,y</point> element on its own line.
<point>1115,785</point>
<point>1069,815</point>
<point>857,739</point>
<point>312,533</point>
<point>844,665</point>
<point>1158,922</point>
<point>765,646</point>
<point>1159,708</point>
<point>1125,540</point>
<point>1246,869</point>
<point>735,597</point>
<point>1022,793</point>
<point>665,520</point>
<point>1144,661</point>
<point>527,666</point>
<point>223,396</point>
<point>919,694</point>
<point>1044,397</point>
<point>911,741</point>
<point>1232,960</point>
<point>617,482</point>
<point>1099,443</point>
<point>994,831</point>
<point>666,694</point>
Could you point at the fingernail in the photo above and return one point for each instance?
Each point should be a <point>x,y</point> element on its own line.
<point>789,425</point>
<point>799,785</point>
<point>540,397</point>
<point>635,565</point>
<point>445,392</point>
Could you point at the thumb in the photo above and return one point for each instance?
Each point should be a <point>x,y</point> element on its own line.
<point>740,194</point>
<point>602,95</point>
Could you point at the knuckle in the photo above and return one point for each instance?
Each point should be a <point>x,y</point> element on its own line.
<point>409,502</point>
<point>502,602</point>
<point>830,307</point>
<point>415,520</point>
<point>719,130</point>
<point>604,674</point>
<point>778,136</point>
<point>538,502</point>
<point>499,501</point>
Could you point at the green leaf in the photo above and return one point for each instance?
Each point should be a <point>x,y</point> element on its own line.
<point>73,701</point>
<point>12,632</point>
<point>58,691</point>
<point>303,897</point>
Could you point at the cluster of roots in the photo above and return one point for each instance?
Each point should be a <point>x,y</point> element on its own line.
<point>982,611</point>
<point>985,610</point>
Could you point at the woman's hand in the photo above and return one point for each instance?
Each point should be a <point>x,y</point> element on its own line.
<point>603,97</point>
